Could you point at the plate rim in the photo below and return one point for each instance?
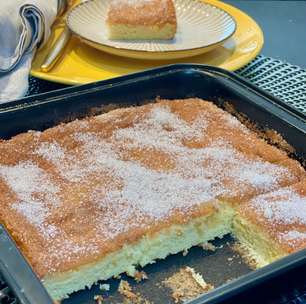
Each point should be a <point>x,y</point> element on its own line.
<point>92,42</point>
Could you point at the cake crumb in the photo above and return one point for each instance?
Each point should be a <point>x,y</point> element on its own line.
<point>98,299</point>
<point>118,276</point>
<point>245,255</point>
<point>130,297</point>
<point>126,290</point>
<point>208,246</point>
<point>198,278</point>
<point>229,280</point>
<point>177,296</point>
<point>185,252</point>
<point>140,276</point>
<point>186,284</point>
<point>105,287</point>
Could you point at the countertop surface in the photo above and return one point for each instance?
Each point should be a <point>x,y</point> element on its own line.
<point>284,27</point>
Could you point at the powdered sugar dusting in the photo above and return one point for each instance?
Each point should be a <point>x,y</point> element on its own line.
<point>121,192</point>
<point>51,151</point>
<point>150,192</point>
<point>284,206</point>
<point>163,130</point>
<point>198,175</point>
<point>36,213</point>
<point>63,249</point>
<point>292,236</point>
<point>118,216</point>
<point>261,175</point>
<point>36,180</point>
<point>233,122</point>
<point>131,3</point>
<point>35,192</point>
<point>191,182</point>
<point>66,163</point>
<point>155,193</point>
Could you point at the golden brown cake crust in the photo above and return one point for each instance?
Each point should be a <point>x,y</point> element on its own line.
<point>142,12</point>
<point>75,192</point>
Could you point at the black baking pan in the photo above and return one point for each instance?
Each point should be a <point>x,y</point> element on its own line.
<point>18,283</point>
<point>176,81</point>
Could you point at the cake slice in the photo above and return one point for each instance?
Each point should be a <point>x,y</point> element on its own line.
<point>97,197</point>
<point>141,19</point>
<point>273,225</point>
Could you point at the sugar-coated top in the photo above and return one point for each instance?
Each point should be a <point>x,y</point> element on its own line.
<point>135,3</point>
<point>285,206</point>
<point>141,12</point>
<point>78,191</point>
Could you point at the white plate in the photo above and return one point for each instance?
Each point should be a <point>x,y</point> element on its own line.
<point>201,27</point>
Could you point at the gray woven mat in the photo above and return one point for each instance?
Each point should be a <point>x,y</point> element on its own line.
<point>286,81</point>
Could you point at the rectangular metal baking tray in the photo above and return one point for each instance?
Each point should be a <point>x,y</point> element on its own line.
<point>18,283</point>
<point>176,81</point>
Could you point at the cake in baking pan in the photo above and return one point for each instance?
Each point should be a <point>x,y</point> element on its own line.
<point>93,198</point>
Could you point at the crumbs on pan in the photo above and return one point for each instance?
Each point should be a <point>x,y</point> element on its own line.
<point>98,299</point>
<point>105,287</point>
<point>140,276</point>
<point>186,284</point>
<point>185,252</point>
<point>130,297</point>
<point>208,246</point>
<point>246,256</point>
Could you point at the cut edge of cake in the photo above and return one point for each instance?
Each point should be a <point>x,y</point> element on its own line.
<point>256,246</point>
<point>145,251</point>
<point>141,32</point>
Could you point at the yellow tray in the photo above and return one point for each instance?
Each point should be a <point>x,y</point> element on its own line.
<point>82,64</point>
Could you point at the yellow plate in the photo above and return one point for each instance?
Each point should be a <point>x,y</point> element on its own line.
<point>82,64</point>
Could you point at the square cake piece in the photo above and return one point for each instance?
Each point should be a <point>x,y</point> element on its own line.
<point>97,197</point>
<point>141,19</point>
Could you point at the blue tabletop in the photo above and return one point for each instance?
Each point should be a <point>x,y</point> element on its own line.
<point>284,27</point>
